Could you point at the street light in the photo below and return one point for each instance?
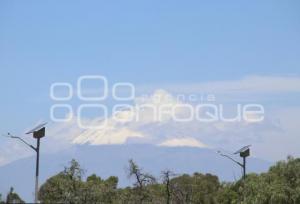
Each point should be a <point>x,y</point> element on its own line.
<point>38,132</point>
<point>244,152</point>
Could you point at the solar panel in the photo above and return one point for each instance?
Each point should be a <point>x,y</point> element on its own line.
<point>242,149</point>
<point>37,128</point>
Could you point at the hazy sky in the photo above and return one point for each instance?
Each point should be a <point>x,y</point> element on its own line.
<point>156,44</point>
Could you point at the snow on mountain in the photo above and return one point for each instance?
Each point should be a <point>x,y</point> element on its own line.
<point>108,160</point>
<point>132,124</point>
<point>150,120</point>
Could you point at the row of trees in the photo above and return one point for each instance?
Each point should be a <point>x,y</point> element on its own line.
<point>69,187</point>
<point>280,185</point>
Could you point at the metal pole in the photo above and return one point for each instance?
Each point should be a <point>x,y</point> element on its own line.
<point>37,170</point>
<point>244,167</point>
<point>38,132</point>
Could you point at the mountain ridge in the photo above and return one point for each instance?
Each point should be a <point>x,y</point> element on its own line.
<point>112,160</point>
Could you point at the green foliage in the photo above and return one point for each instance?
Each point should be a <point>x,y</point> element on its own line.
<point>227,194</point>
<point>13,197</point>
<point>280,185</point>
<point>64,187</point>
<point>140,192</point>
<point>68,187</point>
<point>95,189</point>
<point>198,188</point>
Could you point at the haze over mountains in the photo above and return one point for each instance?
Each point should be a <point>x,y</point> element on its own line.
<point>155,143</point>
<point>147,127</point>
<point>112,160</point>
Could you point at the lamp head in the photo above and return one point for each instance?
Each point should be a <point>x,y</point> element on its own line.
<point>244,152</point>
<point>39,134</point>
<point>38,131</point>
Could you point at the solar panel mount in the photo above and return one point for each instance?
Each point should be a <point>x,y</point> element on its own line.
<point>37,128</point>
<point>243,149</point>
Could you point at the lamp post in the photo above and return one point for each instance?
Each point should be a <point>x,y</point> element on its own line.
<point>244,153</point>
<point>37,133</point>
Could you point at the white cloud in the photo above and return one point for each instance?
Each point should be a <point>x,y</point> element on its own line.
<point>127,125</point>
<point>148,129</point>
<point>274,138</point>
<point>109,135</point>
<point>278,127</point>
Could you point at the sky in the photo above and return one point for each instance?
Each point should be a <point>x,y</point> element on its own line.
<point>242,51</point>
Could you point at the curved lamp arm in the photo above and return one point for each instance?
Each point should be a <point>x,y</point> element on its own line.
<point>224,155</point>
<point>19,138</point>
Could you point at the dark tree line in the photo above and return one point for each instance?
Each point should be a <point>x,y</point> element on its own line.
<point>280,185</point>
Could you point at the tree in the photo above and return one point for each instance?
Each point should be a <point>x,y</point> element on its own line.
<point>13,197</point>
<point>166,176</point>
<point>64,187</point>
<point>280,185</point>
<point>69,187</point>
<point>142,179</point>
<point>198,188</point>
<point>227,194</point>
<point>96,190</point>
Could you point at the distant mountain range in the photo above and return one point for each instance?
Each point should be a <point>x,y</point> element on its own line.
<point>112,160</point>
